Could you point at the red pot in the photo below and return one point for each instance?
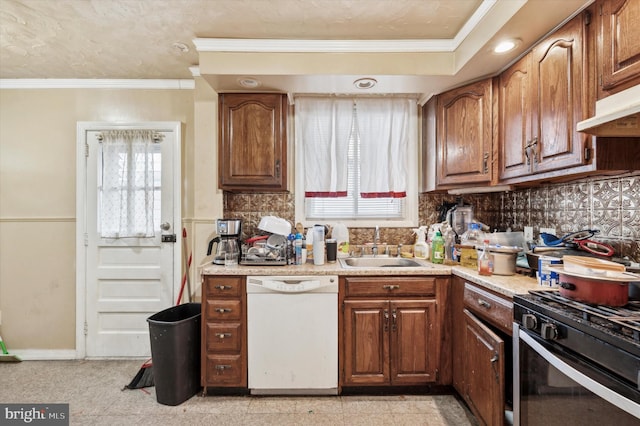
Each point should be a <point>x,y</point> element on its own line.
<point>594,290</point>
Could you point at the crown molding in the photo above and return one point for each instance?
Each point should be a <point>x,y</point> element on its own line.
<point>95,83</point>
<point>321,46</point>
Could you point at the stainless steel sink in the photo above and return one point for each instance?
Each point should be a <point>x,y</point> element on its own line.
<point>379,262</point>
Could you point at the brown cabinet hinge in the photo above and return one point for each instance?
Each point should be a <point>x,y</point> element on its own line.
<point>587,154</point>
<point>587,17</point>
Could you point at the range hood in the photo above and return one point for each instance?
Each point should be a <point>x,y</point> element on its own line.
<point>616,115</point>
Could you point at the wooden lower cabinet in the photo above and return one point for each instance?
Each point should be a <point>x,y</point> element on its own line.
<point>393,336</point>
<point>224,332</point>
<point>481,350</point>
<point>484,371</point>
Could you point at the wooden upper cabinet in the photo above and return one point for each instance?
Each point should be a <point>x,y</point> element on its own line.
<point>560,93</point>
<point>515,146</point>
<point>464,135</point>
<point>542,98</point>
<point>620,50</point>
<point>252,152</point>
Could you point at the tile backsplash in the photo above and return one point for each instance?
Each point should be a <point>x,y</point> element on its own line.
<point>608,204</point>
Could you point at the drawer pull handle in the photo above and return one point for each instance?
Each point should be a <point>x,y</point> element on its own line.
<point>390,287</point>
<point>484,303</point>
<point>222,367</point>
<point>223,287</point>
<point>223,335</point>
<point>223,310</point>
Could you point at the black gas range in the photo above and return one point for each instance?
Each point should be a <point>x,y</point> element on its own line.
<point>609,336</point>
<point>564,346</point>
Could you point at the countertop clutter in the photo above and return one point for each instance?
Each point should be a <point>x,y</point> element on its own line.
<point>505,285</point>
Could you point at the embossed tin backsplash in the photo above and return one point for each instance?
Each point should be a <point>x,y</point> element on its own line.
<point>611,205</point>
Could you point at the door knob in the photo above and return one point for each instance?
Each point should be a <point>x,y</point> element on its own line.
<point>165,226</point>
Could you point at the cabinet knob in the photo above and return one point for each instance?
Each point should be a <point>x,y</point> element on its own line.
<point>390,287</point>
<point>221,367</point>
<point>222,310</point>
<point>223,335</point>
<point>484,303</point>
<point>222,287</point>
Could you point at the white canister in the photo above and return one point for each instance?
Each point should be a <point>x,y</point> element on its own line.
<point>318,245</point>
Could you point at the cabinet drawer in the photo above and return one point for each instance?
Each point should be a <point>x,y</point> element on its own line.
<point>225,370</point>
<point>216,287</point>
<point>389,286</point>
<point>224,337</point>
<point>224,310</point>
<point>490,307</point>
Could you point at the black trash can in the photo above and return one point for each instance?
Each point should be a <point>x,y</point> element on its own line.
<point>175,351</point>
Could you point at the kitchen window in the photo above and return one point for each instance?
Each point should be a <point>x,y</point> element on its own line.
<point>356,161</point>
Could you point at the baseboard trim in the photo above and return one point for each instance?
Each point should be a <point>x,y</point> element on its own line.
<point>45,354</point>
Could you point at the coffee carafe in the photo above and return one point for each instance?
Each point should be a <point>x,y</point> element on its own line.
<point>227,241</point>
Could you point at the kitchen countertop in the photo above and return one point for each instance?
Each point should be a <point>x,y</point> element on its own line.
<point>505,285</point>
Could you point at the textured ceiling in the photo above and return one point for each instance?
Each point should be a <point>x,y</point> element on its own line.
<point>134,38</point>
<point>141,39</point>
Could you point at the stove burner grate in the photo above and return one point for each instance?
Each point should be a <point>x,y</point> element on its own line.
<point>624,320</point>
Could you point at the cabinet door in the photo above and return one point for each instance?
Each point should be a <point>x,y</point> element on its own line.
<point>620,62</point>
<point>516,153</point>
<point>558,80</point>
<point>366,342</point>
<point>464,134</point>
<point>484,371</point>
<point>252,150</point>
<point>414,339</point>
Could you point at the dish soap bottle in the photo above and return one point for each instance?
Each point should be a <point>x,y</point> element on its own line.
<point>485,261</point>
<point>420,248</point>
<point>437,248</point>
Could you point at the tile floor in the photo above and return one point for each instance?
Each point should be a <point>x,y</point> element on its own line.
<point>93,391</point>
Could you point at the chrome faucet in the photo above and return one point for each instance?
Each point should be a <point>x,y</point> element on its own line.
<point>376,241</point>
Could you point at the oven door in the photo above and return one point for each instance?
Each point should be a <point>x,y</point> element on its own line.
<point>554,387</point>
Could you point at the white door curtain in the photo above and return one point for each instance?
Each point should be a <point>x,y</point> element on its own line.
<point>126,183</point>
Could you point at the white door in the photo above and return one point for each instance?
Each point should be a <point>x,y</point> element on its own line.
<point>129,279</point>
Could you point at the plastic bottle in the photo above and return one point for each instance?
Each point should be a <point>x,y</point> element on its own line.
<point>291,254</point>
<point>420,248</point>
<point>437,248</point>
<point>309,241</point>
<point>473,236</point>
<point>485,260</point>
<point>298,248</point>
<point>449,242</point>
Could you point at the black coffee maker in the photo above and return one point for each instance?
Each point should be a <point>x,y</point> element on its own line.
<point>227,241</point>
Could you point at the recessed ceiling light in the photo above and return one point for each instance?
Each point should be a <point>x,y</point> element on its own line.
<point>506,46</point>
<point>365,83</point>
<point>249,82</point>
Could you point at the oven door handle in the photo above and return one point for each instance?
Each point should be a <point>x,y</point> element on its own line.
<point>587,382</point>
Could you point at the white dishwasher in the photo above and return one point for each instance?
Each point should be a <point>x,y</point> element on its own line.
<point>292,334</point>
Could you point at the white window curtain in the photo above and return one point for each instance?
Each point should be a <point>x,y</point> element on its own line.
<point>324,125</point>
<point>383,131</point>
<point>127,184</point>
